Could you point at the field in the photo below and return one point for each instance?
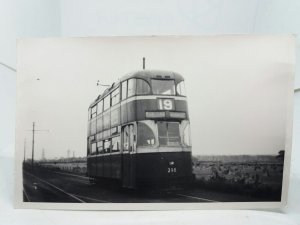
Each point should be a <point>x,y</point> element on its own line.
<point>76,166</point>
<point>253,175</point>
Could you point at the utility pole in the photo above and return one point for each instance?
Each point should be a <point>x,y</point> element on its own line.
<point>32,152</point>
<point>33,136</point>
<point>144,63</point>
<point>43,155</point>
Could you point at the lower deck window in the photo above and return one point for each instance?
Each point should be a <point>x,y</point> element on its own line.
<point>94,148</point>
<point>145,135</point>
<point>115,143</point>
<point>100,147</point>
<point>187,135</point>
<point>106,147</point>
<point>168,133</point>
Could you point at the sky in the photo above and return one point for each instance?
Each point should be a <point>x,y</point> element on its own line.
<point>238,88</point>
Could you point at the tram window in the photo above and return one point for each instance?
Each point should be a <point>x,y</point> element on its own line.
<point>94,111</point>
<point>163,87</point>
<point>181,88</point>
<point>106,147</point>
<point>168,134</point>
<point>142,87</point>
<point>106,120</point>
<point>126,138</point>
<point>106,133</point>
<point>92,137</point>
<point>99,135</point>
<point>99,123</point>
<point>115,96</point>
<point>114,130</point>
<point>90,113</point>
<point>145,135</point>
<point>106,102</point>
<point>100,107</point>
<point>187,135</point>
<point>131,87</point>
<point>93,127</point>
<point>100,146</point>
<point>115,143</point>
<point>94,148</point>
<point>124,90</point>
<point>131,137</point>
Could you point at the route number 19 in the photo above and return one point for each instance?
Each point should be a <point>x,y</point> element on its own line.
<point>165,104</point>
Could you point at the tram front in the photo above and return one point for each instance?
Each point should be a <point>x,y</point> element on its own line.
<point>163,145</point>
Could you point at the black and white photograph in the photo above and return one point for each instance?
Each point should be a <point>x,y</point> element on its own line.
<point>192,121</point>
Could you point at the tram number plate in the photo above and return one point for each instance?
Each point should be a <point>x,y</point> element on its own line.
<point>171,169</point>
<point>166,104</point>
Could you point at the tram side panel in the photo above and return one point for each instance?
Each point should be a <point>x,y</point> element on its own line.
<point>131,111</point>
<point>116,166</point>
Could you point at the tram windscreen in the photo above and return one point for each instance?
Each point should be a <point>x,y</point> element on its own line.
<point>163,87</point>
<point>145,135</point>
<point>168,133</point>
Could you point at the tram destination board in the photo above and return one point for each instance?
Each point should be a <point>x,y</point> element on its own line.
<point>143,123</point>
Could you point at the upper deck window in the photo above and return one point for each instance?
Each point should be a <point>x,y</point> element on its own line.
<point>124,90</point>
<point>94,111</point>
<point>106,102</point>
<point>142,87</point>
<point>100,107</point>
<point>115,96</point>
<point>131,87</point>
<point>163,87</point>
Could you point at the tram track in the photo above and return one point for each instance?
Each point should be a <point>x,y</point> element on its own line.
<point>41,185</point>
<point>76,197</point>
<point>26,195</point>
<point>196,198</point>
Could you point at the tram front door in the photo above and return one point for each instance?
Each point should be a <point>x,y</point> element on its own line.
<point>128,156</point>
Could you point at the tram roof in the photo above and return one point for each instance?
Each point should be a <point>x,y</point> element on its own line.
<point>153,74</point>
<point>146,75</point>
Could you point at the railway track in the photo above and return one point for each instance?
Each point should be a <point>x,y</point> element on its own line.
<point>57,187</point>
<point>195,197</point>
<point>76,197</point>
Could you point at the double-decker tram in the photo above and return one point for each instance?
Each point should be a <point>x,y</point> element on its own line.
<point>139,131</point>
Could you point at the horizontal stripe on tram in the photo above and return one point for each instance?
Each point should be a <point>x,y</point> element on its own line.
<point>153,97</point>
<point>160,150</point>
<point>134,98</point>
<point>144,150</point>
